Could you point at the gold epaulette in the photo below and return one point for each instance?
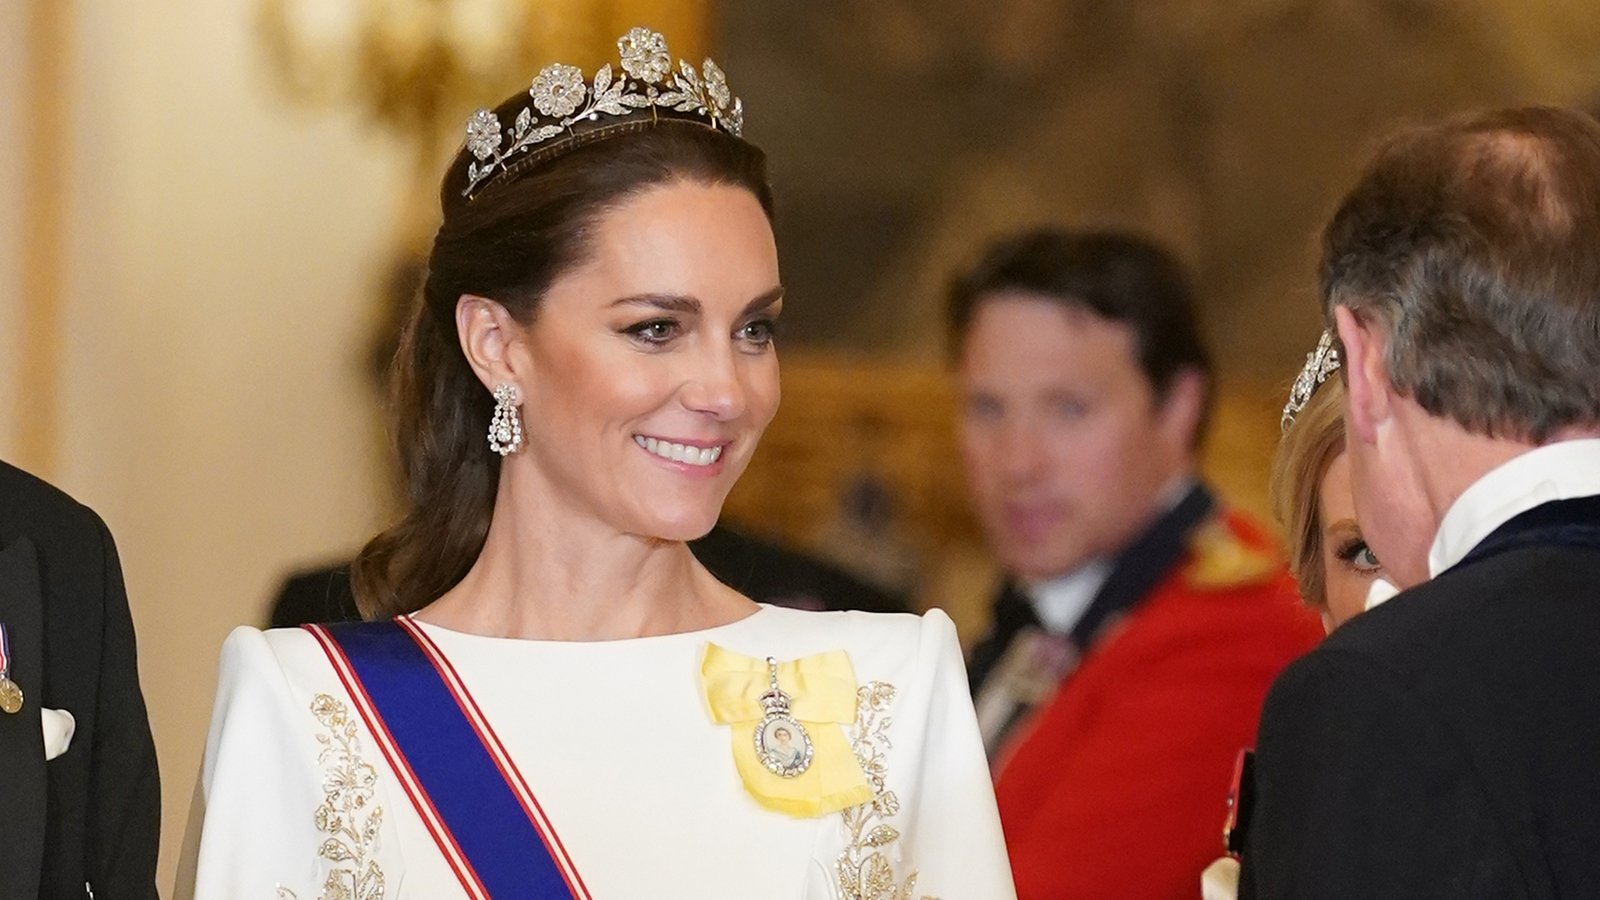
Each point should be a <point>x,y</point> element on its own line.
<point>1220,559</point>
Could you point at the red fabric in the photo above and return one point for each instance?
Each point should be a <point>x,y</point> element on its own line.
<point>1118,786</point>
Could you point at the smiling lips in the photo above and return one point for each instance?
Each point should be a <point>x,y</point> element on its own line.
<point>687,454</point>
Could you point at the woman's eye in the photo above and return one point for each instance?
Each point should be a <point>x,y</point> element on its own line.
<point>655,331</point>
<point>760,332</point>
<point>1366,559</point>
<point>1360,556</point>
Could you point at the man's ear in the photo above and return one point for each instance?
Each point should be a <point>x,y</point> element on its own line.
<point>488,333</point>
<point>1182,409</point>
<point>1368,393</point>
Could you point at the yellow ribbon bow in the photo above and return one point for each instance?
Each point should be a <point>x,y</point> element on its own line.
<point>823,692</point>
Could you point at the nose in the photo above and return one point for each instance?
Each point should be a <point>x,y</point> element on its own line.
<point>714,386</point>
<point>1020,452</point>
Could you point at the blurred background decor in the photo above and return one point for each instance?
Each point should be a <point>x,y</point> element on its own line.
<point>203,204</point>
<point>417,68</point>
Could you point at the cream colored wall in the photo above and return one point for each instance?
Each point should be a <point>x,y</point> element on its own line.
<point>13,50</point>
<point>215,409</point>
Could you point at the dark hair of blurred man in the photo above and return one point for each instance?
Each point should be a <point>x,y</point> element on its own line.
<point>1142,621</point>
<point>80,802</point>
<point>1447,743</point>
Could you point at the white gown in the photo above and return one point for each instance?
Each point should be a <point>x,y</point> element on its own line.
<point>617,744</point>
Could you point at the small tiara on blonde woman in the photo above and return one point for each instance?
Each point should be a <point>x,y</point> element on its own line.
<point>1320,363</point>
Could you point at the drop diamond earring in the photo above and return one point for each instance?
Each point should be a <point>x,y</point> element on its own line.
<point>505,429</point>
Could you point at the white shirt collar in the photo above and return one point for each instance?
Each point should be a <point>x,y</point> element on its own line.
<point>1564,470</point>
<point>1060,602</point>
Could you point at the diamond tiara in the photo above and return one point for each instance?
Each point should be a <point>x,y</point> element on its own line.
<point>1320,363</point>
<point>563,103</point>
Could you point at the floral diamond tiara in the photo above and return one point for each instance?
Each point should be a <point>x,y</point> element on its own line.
<point>1320,363</point>
<point>561,101</point>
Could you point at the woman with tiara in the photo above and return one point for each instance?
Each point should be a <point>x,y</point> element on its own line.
<point>549,697</point>
<point>1336,571</point>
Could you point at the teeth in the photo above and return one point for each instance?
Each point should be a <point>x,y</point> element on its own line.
<point>694,456</point>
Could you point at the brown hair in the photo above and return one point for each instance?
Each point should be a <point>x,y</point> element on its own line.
<point>1474,244</point>
<point>1120,277</point>
<point>1314,440</point>
<point>509,243</point>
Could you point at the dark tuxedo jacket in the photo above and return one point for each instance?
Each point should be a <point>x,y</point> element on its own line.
<point>1447,743</point>
<point>90,818</point>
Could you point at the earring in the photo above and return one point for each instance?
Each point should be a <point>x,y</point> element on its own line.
<point>505,429</point>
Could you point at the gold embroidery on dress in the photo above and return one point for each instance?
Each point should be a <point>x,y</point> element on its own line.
<point>347,814</point>
<point>863,869</point>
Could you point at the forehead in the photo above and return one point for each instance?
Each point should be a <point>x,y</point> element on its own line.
<point>1025,338</point>
<point>683,237</point>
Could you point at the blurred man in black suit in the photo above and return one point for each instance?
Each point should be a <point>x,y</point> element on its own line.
<point>79,796</point>
<point>1447,743</point>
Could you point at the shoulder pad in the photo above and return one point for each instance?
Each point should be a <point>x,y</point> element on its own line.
<point>1220,559</point>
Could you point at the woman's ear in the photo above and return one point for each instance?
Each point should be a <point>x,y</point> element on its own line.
<point>489,337</point>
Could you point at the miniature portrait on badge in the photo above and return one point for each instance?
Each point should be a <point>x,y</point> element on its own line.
<point>782,744</point>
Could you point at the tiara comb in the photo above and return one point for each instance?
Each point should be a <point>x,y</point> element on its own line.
<point>1320,363</point>
<point>561,101</point>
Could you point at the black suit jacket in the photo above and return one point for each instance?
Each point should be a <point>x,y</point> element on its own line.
<point>1447,743</point>
<point>89,818</point>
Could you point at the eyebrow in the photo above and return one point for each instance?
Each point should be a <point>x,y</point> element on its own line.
<point>689,305</point>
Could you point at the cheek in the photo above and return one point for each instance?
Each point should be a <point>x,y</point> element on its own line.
<point>1111,455</point>
<point>765,390</point>
<point>990,487</point>
<point>1346,589</point>
<point>589,386</point>
<point>977,449</point>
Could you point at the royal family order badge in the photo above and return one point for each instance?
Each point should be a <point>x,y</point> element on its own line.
<point>10,693</point>
<point>782,744</point>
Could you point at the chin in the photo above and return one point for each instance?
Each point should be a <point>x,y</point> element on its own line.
<point>689,526</point>
<point>1042,566</point>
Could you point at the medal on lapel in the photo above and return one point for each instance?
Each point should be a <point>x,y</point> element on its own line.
<point>782,744</point>
<point>10,694</point>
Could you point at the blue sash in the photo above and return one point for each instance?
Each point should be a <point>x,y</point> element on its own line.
<point>449,761</point>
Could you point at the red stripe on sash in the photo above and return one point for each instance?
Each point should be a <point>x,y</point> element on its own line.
<point>397,762</point>
<point>497,751</point>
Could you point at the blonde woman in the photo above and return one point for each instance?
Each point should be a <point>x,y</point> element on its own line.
<point>1338,574</point>
<point>1335,569</point>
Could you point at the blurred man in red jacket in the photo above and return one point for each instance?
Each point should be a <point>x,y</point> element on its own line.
<point>1141,621</point>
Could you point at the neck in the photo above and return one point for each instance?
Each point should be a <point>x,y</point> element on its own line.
<point>549,572</point>
<point>1446,459</point>
<point>1449,459</point>
<point>1575,433</point>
